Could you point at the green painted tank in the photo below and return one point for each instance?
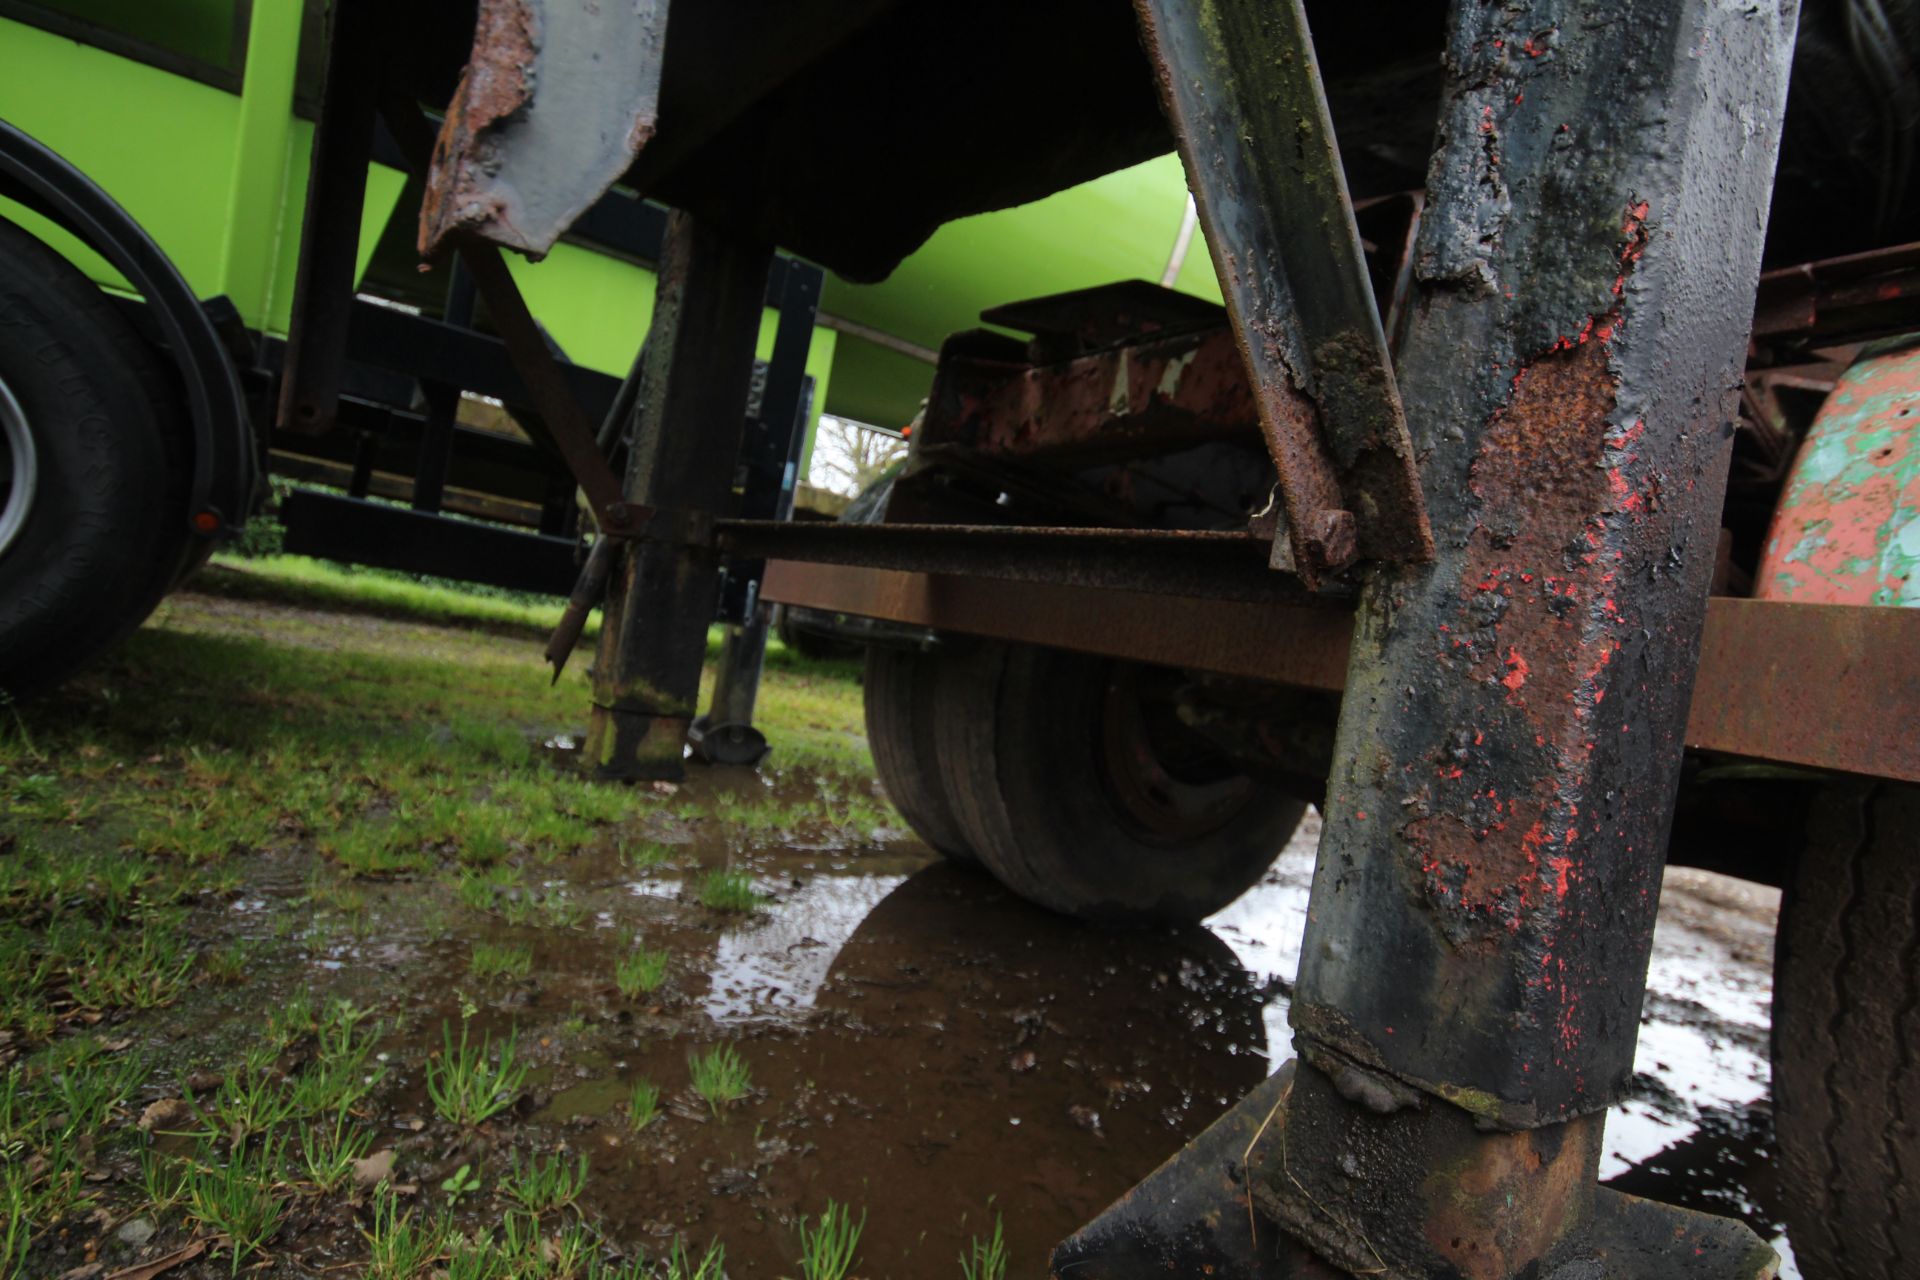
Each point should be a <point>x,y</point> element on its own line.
<point>1132,224</point>
<point>1847,530</point>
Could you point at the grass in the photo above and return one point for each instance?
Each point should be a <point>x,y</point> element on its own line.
<point>379,592</point>
<point>392,769</point>
<point>329,1153</point>
<point>986,1256</point>
<point>828,1246</point>
<point>681,1264</point>
<point>720,1077</point>
<point>643,1104</point>
<point>397,1247</point>
<point>640,972</point>
<point>238,1200</point>
<point>730,890</point>
<point>471,1084</point>
<point>495,960</point>
<point>544,1186</point>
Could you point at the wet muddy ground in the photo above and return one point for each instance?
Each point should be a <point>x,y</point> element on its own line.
<point>923,1047</point>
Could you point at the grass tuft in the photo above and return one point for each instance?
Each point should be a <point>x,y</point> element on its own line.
<point>544,1186</point>
<point>720,1077</point>
<point>643,1104</point>
<point>986,1257</point>
<point>494,960</point>
<point>729,890</point>
<point>680,1264</point>
<point>397,1248</point>
<point>828,1247</point>
<point>466,1086</point>
<point>640,973</point>
<point>237,1199</point>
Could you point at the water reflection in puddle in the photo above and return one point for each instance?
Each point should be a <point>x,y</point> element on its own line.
<point>927,951</point>
<point>772,967</point>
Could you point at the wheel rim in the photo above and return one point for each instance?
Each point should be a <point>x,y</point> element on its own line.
<point>19,469</point>
<point>1172,789</point>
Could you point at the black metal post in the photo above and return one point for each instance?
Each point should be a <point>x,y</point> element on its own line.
<point>435,457</point>
<point>690,410</point>
<point>1509,746</point>
<point>770,466</point>
<point>330,235</point>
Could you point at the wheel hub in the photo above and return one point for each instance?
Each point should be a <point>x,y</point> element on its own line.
<point>19,468</point>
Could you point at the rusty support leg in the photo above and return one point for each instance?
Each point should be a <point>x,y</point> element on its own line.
<point>1509,747</point>
<point>691,407</point>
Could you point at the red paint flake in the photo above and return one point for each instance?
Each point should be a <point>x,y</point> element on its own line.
<point>1517,670</point>
<point>1563,869</point>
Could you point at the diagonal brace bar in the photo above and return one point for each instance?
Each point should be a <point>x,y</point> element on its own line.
<point>1243,92</point>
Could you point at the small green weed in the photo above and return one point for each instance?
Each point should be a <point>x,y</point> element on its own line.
<point>643,1104</point>
<point>163,1183</point>
<point>828,1248</point>
<point>461,1182</point>
<point>467,1088</point>
<point>730,890</point>
<point>496,960</point>
<point>237,1199</point>
<point>986,1257</point>
<point>329,1152</point>
<point>681,1265</point>
<point>397,1249</point>
<point>720,1077</point>
<point>640,973</point>
<point>544,1186</point>
<point>228,965</point>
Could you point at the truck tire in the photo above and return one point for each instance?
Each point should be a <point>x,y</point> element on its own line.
<point>94,470</point>
<point>899,695</point>
<point>1846,1038</point>
<point>1079,790</point>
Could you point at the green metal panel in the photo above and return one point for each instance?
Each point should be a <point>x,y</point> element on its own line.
<point>222,194</point>
<point>598,309</point>
<point>257,185</point>
<point>1118,227</point>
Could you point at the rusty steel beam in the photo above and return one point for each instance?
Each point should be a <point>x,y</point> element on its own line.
<point>689,414</point>
<point>1837,300</point>
<point>556,100</point>
<point>1242,89</point>
<point>1228,566</point>
<point>1820,686</point>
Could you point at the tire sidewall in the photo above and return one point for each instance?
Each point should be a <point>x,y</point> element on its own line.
<point>83,570</point>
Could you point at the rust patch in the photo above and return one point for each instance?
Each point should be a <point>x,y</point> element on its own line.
<point>1529,580</point>
<point>496,85</point>
<point>1512,1202</point>
<point>1175,390</point>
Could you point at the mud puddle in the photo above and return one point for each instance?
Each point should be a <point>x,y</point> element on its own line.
<point>923,1046</point>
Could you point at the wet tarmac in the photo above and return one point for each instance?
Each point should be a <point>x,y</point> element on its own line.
<point>933,1051</point>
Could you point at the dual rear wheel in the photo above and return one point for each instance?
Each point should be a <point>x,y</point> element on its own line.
<point>1071,778</point>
